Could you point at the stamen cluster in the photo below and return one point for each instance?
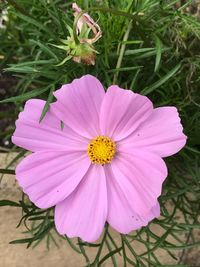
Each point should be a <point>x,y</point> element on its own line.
<point>101,150</point>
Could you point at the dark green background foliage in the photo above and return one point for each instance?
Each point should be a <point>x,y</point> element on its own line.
<point>148,46</point>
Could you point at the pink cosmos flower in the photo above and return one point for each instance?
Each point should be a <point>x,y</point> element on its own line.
<point>105,164</point>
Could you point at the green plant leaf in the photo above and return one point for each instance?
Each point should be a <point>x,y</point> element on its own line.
<point>9,203</point>
<point>25,96</point>
<point>165,78</point>
<point>158,52</point>
<point>6,171</point>
<point>46,106</point>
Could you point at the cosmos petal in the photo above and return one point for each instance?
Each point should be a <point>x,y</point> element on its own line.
<point>78,105</point>
<point>83,213</point>
<point>122,217</point>
<point>48,177</point>
<point>136,178</point>
<point>122,111</point>
<point>162,133</point>
<point>46,135</point>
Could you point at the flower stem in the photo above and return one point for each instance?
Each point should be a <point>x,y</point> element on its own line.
<point>121,53</point>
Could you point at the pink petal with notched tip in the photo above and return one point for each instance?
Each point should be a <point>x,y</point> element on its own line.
<point>78,105</point>
<point>123,215</point>
<point>84,212</point>
<point>48,177</point>
<point>138,175</point>
<point>122,111</point>
<point>162,133</point>
<point>47,135</point>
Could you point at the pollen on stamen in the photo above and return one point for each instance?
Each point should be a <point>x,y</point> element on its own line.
<point>101,150</point>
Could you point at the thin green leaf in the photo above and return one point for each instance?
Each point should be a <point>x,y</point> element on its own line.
<point>131,42</point>
<point>188,3</point>
<point>158,53</point>
<point>64,60</point>
<point>25,96</point>
<point>138,51</point>
<point>35,22</point>
<point>110,254</point>
<point>6,171</point>
<point>9,203</point>
<point>21,241</point>
<point>96,260</point>
<point>185,246</point>
<point>83,252</point>
<point>113,242</point>
<point>44,48</point>
<point>72,245</point>
<point>149,54</point>
<point>175,265</point>
<point>160,241</point>
<point>63,47</point>
<point>193,149</point>
<point>38,218</point>
<point>125,69</point>
<point>41,233</point>
<point>23,69</point>
<point>46,106</point>
<point>31,63</point>
<point>160,82</point>
<point>86,244</point>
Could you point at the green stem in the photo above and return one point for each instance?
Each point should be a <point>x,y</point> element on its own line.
<point>123,250</point>
<point>96,260</point>
<point>83,252</point>
<point>122,49</point>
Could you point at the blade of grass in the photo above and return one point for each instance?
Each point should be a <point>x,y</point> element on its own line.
<point>165,78</point>
<point>25,96</point>
<point>32,21</point>
<point>158,53</point>
<point>6,171</point>
<point>46,106</point>
<point>9,203</point>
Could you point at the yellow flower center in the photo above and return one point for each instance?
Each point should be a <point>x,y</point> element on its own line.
<point>101,150</point>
